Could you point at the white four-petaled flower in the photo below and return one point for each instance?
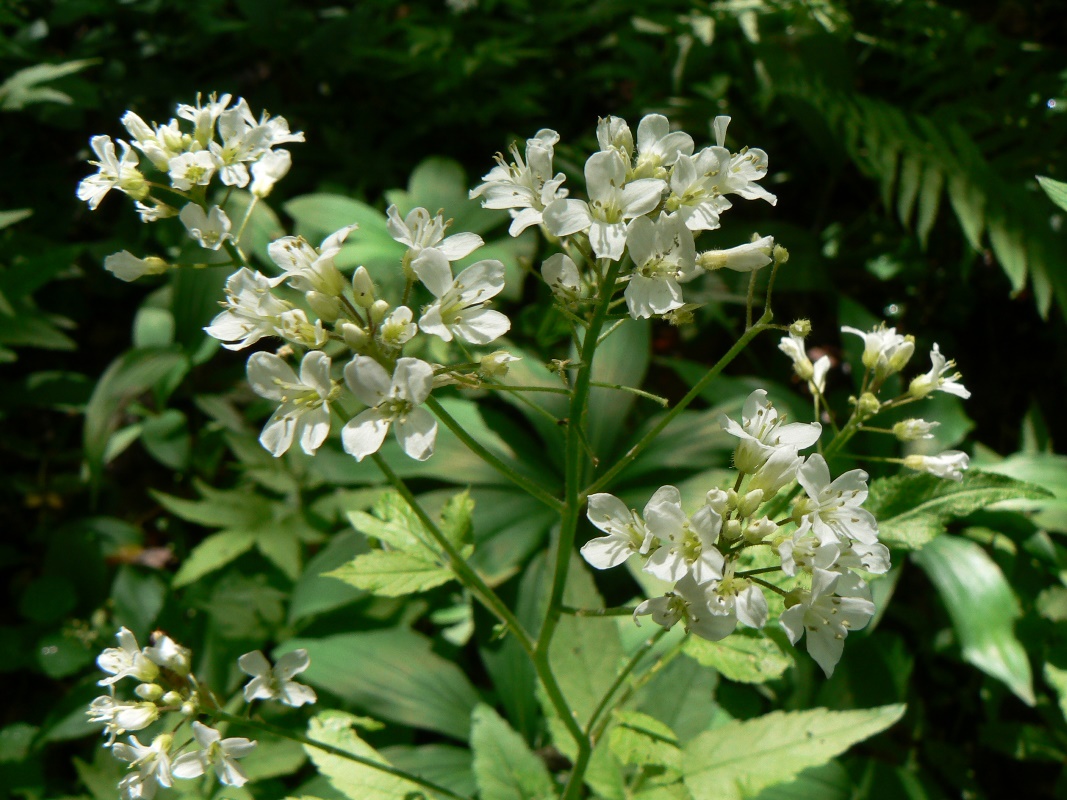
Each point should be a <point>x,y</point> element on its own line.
<point>394,401</point>
<point>217,753</point>
<point>275,683</point>
<point>304,413</point>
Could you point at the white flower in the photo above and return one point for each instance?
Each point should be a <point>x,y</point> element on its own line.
<point>243,141</point>
<point>743,258</point>
<point>191,169</point>
<point>251,311</point>
<point>730,601</point>
<point>777,472</point>
<point>910,430</point>
<point>294,326</point>
<point>397,329</point>
<point>460,306</point>
<point>561,275</point>
<point>936,380</point>
<point>126,660</point>
<point>951,464</point>
<point>626,532</point>
<point>271,167</point>
<point>694,194</point>
<point>527,185</point>
<point>658,147</point>
<point>155,212</point>
<point>884,350</point>
<point>211,230</point>
<point>820,368</point>
<point>304,413</point>
<point>152,765</point>
<point>113,173</point>
<point>119,717</point>
<point>393,400</point>
<point>833,507</point>
<point>169,654</point>
<point>217,753</point>
<point>159,144</point>
<point>687,544</point>
<point>128,267</point>
<point>274,683</point>
<point>793,346</point>
<point>203,116</point>
<point>418,230</point>
<point>663,254</point>
<point>307,268</point>
<point>496,365</point>
<point>687,603</point>
<point>834,606</point>
<point>761,432</point>
<point>612,133</point>
<point>612,203</point>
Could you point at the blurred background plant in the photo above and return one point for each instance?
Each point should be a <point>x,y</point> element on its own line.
<point>905,137</point>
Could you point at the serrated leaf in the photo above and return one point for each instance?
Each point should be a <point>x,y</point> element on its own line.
<point>983,610</point>
<point>968,203</point>
<point>929,202</point>
<point>353,780</point>
<point>741,657</point>
<point>1010,251</point>
<point>640,740</point>
<point>219,508</point>
<point>392,573</point>
<point>913,509</point>
<point>214,552</point>
<point>1056,190</point>
<point>504,766</point>
<point>741,758</point>
<point>393,674</point>
<point>443,764</point>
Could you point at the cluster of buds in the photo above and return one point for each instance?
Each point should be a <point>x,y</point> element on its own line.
<point>887,353</point>
<point>820,543</point>
<point>169,696</point>
<point>646,200</point>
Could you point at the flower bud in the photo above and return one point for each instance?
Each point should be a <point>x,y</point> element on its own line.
<point>363,287</point>
<point>747,505</point>
<point>355,337</point>
<point>867,406</point>
<point>910,430</point>
<point>731,530</point>
<point>902,354</point>
<point>718,501</point>
<point>378,310</point>
<point>190,708</point>
<point>780,254</point>
<point>760,529</point>
<point>171,698</point>
<point>328,308</point>
<point>149,691</point>
<point>801,328</point>
<point>743,258</point>
<point>495,365</point>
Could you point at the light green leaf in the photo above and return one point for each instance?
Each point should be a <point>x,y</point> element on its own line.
<point>1057,679</point>
<point>166,438</point>
<point>393,674</point>
<point>138,598</point>
<point>24,87</point>
<point>1010,252</point>
<point>983,610</point>
<point>640,740</point>
<point>741,758</point>
<point>8,218</point>
<point>1056,190</point>
<point>1047,470</point>
<point>742,657</point>
<point>354,781</point>
<point>273,756</point>
<point>504,766</point>
<point>929,201</point>
<point>214,552</point>
<point>829,781</point>
<point>219,508</point>
<point>913,509</point>
<point>682,696</point>
<point>443,764</point>
<point>314,593</point>
<point>968,202</point>
<point>621,359</point>
<point>911,168</point>
<point>392,573</point>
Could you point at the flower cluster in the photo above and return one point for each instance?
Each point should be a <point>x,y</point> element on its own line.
<point>647,199</point>
<point>820,543</point>
<point>168,692</point>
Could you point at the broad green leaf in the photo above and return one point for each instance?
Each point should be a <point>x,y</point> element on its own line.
<point>741,758</point>
<point>640,740</point>
<point>395,524</point>
<point>314,593</point>
<point>829,781</point>
<point>504,766</point>
<point>443,764</point>
<point>153,327</point>
<point>983,610</point>
<point>393,674</point>
<point>682,696</point>
<point>355,781</point>
<point>273,757</point>
<point>16,740</point>
<point>621,359</point>
<point>968,202</point>
<point>214,552</point>
<point>1056,190</point>
<point>60,655</point>
<point>166,438</point>
<point>138,598</point>
<point>129,376</point>
<point>913,509</point>
<point>1010,251</point>
<point>8,218</point>
<point>741,657</point>
<point>929,201</point>
<point>194,302</point>
<point>392,573</point>
<point>693,437</point>
<point>1047,470</point>
<point>219,508</point>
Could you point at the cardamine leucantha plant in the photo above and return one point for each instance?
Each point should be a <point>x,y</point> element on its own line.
<point>783,547</point>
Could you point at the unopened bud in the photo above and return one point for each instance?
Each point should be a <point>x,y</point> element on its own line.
<point>760,529</point>
<point>378,310</point>
<point>171,699</point>
<point>921,386</point>
<point>718,501</point>
<point>731,530</point>
<point>867,406</point>
<point>747,505</point>
<point>495,365</point>
<point>902,354</point>
<point>363,288</point>
<point>743,258</point>
<point>355,337</point>
<point>327,308</point>
<point>910,430</point>
<point>190,708</point>
<point>149,691</point>
<point>780,254</point>
<point>801,328</point>
<point>731,498</point>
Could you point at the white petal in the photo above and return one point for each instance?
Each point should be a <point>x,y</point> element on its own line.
<point>481,325</point>
<point>432,268</point>
<point>417,433</point>
<point>270,375</point>
<point>413,380</point>
<point>364,434</point>
<point>279,432</point>
<point>460,245</point>
<point>292,663</point>
<point>565,217</point>
<point>368,380</point>
<point>605,552</point>
<point>608,239</point>
<point>254,663</point>
<point>314,426</point>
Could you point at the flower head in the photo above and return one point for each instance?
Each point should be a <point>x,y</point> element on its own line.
<point>218,754</point>
<point>250,311</point>
<point>527,187</point>
<point>394,401</point>
<point>459,310</point>
<point>275,683</point>
<point>113,172</point>
<point>663,254</point>
<point>761,432</point>
<point>951,464</point>
<point>937,380</point>
<point>210,229</point>
<point>304,413</point>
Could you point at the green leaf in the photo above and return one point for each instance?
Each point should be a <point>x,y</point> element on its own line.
<point>640,740</point>
<point>1046,470</point>
<point>913,509</point>
<point>130,375</point>
<point>741,758</point>
<point>314,593</point>
<point>742,657</point>
<point>443,764</point>
<point>394,674</point>
<point>911,168</point>
<point>214,552</point>
<point>219,508</point>
<point>1056,190</point>
<point>354,781</point>
<point>829,781</point>
<point>166,438</point>
<point>138,597</point>
<point>929,202</point>
<point>23,88</point>
<point>392,573</point>
<point>983,610</point>
<point>504,767</point>
<point>621,359</point>
<point>8,218</point>
<point>682,697</point>
<point>1010,251</point>
<point>968,203</point>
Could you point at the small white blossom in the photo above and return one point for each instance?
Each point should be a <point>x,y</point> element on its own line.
<point>204,116</point>
<point>687,603</point>
<point>951,464</point>
<point>687,544</point>
<point>398,328</point>
<point>118,716</point>
<point>793,346</point>
<point>304,413</point>
<point>159,144</point>
<point>211,229</point>
<point>937,380</point>
<point>294,326</point>
<point>169,654</point>
<point>218,754</point>
<point>694,194</point>
<point>527,187</point>
<point>658,147</point>
<point>394,401</point>
<point>459,310</point>
<point>743,258</point>
<point>884,350</point>
<point>827,613</point>
<point>418,230</point>
<point>495,365</point>
<point>307,268</point>
<point>126,660</point>
<point>761,432</point>
<point>152,765</point>
<point>561,275</point>
<point>275,683</point>
<point>268,170</point>
<point>113,172</point>
<point>128,267</point>
<point>833,507</point>
<point>251,311</point>
<point>191,169</point>
<point>664,255</point>
<point>154,212</point>
<point>626,532</point>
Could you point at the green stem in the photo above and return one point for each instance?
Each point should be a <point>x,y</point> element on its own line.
<point>655,398</point>
<point>682,404</point>
<point>602,706</point>
<point>337,751</point>
<point>760,571</point>
<point>619,611</point>
<point>235,253</point>
<point>490,458</point>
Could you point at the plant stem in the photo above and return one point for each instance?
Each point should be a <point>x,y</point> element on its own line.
<point>490,458</point>
<point>690,396</point>
<point>655,398</point>
<point>602,706</point>
<point>235,253</point>
<point>336,751</point>
<point>620,611</point>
